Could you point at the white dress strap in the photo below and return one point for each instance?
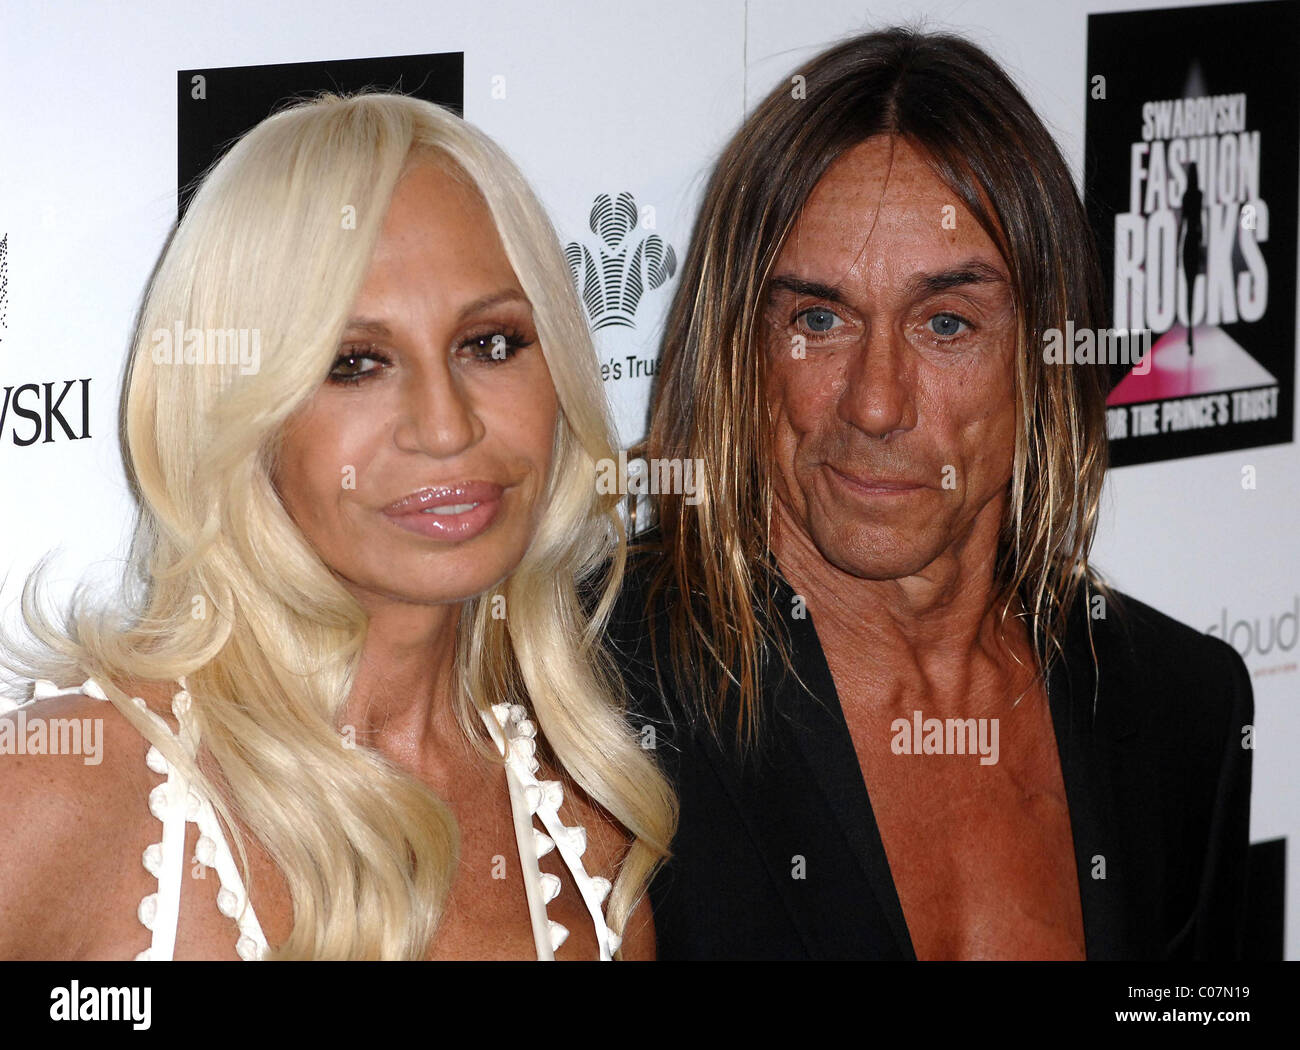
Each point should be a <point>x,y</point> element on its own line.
<point>160,912</point>
<point>515,736</point>
<point>176,803</point>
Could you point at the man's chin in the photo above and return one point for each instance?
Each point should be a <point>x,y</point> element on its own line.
<point>870,553</point>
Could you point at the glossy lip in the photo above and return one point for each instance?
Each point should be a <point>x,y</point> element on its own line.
<point>876,486</point>
<point>413,512</point>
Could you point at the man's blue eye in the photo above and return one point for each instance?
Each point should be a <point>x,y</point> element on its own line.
<point>946,324</point>
<point>819,320</point>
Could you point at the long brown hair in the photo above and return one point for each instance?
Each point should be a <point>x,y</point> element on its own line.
<point>954,102</point>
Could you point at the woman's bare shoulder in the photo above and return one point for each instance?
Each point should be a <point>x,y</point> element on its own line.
<point>75,788</point>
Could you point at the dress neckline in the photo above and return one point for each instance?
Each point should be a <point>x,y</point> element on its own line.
<point>176,803</point>
<point>515,736</point>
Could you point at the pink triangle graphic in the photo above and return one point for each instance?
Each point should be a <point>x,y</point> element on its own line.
<point>1218,363</point>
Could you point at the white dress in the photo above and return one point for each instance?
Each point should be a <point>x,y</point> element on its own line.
<point>176,803</point>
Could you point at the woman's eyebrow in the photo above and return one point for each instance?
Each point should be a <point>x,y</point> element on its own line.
<point>368,325</point>
<point>505,295</point>
<point>376,326</point>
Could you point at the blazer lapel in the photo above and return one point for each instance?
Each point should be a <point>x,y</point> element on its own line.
<point>807,744</point>
<point>822,736</point>
<point>807,767</point>
<point>813,717</point>
<point>1086,742</point>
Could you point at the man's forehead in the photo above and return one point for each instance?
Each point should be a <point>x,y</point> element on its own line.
<point>885,170</point>
<point>881,203</point>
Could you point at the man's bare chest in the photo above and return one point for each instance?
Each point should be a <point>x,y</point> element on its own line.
<point>973,817</point>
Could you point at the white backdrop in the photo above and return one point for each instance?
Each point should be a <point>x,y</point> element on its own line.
<point>599,98</point>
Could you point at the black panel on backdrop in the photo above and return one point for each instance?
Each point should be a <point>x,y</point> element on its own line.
<point>1191,180</point>
<point>214,107</point>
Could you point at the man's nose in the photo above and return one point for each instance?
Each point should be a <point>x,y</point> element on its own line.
<point>879,396</point>
<point>437,415</point>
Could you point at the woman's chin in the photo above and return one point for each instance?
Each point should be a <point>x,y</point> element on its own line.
<point>420,584</point>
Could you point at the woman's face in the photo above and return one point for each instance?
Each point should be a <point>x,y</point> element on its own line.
<point>417,470</point>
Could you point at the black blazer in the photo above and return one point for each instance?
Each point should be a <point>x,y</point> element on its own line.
<point>1156,780</point>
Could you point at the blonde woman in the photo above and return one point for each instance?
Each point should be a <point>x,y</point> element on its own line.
<point>356,707</point>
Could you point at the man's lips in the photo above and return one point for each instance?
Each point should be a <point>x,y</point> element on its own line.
<point>457,511</point>
<point>881,485</point>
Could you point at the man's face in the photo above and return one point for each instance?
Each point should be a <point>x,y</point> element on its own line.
<point>893,416</point>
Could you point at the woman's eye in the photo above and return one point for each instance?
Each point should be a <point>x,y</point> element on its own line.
<point>493,346</point>
<point>819,319</point>
<point>351,365</point>
<point>947,325</point>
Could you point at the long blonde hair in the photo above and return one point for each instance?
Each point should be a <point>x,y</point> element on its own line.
<point>278,238</point>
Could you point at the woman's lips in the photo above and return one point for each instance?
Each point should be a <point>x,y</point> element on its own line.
<point>448,512</point>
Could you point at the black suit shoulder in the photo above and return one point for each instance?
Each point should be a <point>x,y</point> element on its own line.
<point>636,637</point>
<point>1176,706</point>
<point>1182,684</point>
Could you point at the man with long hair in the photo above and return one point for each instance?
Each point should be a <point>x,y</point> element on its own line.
<point>905,716</point>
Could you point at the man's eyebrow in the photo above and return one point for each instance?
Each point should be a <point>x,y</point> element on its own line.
<point>376,326</point>
<point>972,271</point>
<point>809,289</point>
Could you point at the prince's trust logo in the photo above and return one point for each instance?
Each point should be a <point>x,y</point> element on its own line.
<point>612,281</point>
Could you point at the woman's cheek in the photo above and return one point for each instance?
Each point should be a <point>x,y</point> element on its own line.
<point>323,462</point>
